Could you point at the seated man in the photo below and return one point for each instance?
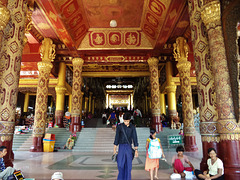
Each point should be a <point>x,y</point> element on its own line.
<point>4,172</point>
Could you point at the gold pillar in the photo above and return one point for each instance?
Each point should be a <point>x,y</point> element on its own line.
<point>154,79</point>
<point>26,102</point>
<point>162,103</point>
<point>47,52</point>
<point>81,105</point>
<point>227,126</point>
<point>171,92</point>
<point>146,102</point>
<point>181,55</point>
<point>4,19</point>
<point>60,94</point>
<point>93,105</point>
<point>86,104</point>
<point>11,47</point>
<point>70,103</point>
<point>205,83</point>
<point>75,125</point>
<point>90,102</point>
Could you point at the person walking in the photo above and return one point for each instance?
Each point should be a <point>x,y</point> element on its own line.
<point>137,117</point>
<point>125,135</point>
<point>154,153</point>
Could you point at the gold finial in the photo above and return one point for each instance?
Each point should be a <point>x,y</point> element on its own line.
<point>180,49</point>
<point>4,17</point>
<point>47,50</point>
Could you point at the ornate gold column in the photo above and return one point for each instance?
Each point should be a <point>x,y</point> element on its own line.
<point>4,19</point>
<point>154,79</point>
<point>90,102</point>
<point>70,103</point>
<point>11,36</point>
<point>47,52</point>
<point>60,95</point>
<point>162,103</point>
<point>227,126</point>
<point>76,95</point>
<point>93,105</point>
<point>26,102</point>
<point>171,92</point>
<point>205,83</point>
<point>180,53</point>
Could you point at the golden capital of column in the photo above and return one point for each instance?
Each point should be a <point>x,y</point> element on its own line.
<point>145,93</point>
<point>180,49</point>
<point>152,61</point>
<point>211,14</point>
<point>45,66</point>
<point>47,50</point>
<point>77,61</point>
<point>82,93</point>
<point>90,93</point>
<point>4,17</point>
<point>181,66</point>
<point>86,98</point>
<point>171,88</point>
<point>60,89</point>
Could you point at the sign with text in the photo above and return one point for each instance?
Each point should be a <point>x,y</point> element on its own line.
<point>174,140</point>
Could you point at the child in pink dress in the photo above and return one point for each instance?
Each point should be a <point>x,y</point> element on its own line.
<point>152,164</point>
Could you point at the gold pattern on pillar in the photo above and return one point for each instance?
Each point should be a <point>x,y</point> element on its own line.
<point>76,95</point>
<point>47,52</point>
<point>81,105</point>
<point>10,64</point>
<point>180,53</point>
<point>205,82</point>
<point>154,79</point>
<point>60,93</point>
<point>4,19</point>
<point>227,126</point>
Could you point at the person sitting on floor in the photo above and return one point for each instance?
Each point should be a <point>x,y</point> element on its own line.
<point>70,142</point>
<point>215,168</point>
<point>180,162</point>
<point>4,172</point>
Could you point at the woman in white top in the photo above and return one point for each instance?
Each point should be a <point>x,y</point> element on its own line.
<point>215,168</point>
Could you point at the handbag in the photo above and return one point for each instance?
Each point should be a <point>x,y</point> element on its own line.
<point>133,150</point>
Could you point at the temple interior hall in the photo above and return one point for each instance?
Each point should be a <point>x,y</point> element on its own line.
<point>70,70</point>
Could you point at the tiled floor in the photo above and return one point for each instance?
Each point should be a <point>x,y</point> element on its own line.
<point>87,166</point>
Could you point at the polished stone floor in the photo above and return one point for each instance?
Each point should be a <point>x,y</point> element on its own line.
<point>76,165</point>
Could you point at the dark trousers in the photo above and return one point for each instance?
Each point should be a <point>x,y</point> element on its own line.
<point>124,162</point>
<point>197,172</point>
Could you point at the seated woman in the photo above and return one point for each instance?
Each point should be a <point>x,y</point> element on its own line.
<point>180,162</point>
<point>70,143</point>
<point>215,168</point>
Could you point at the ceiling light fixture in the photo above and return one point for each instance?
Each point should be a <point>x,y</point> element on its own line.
<point>113,23</point>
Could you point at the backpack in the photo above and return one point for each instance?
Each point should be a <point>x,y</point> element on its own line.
<point>154,150</point>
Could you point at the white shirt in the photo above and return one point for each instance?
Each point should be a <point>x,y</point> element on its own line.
<point>121,118</point>
<point>213,168</point>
